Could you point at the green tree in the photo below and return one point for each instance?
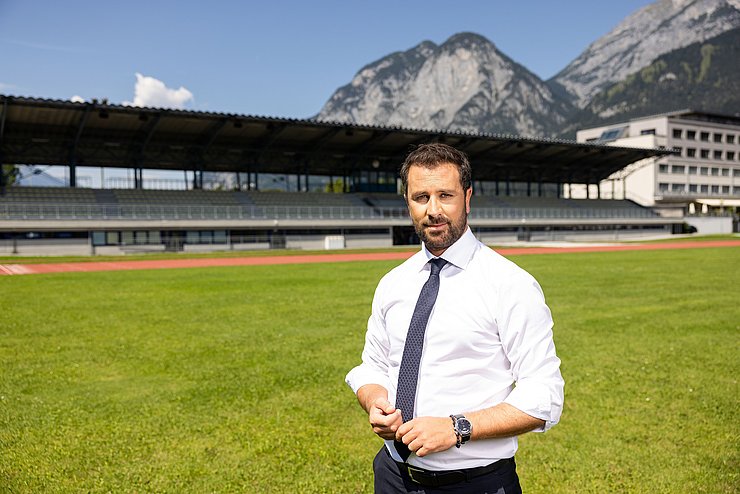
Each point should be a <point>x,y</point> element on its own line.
<point>9,175</point>
<point>336,186</point>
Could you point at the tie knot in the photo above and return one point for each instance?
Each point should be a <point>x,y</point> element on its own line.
<point>437,265</point>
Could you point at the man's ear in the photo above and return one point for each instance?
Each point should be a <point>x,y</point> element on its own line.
<point>468,195</point>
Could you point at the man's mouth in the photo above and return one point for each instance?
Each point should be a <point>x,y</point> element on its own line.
<point>436,226</point>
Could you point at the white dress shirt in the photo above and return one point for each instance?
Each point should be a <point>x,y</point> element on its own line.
<point>488,340</point>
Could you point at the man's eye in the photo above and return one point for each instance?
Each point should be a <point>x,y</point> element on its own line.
<point>422,198</point>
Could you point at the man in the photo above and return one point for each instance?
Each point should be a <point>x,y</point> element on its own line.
<point>459,357</point>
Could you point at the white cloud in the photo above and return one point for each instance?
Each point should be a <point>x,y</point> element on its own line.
<point>152,92</point>
<point>77,99</point>
<point>6,87</point>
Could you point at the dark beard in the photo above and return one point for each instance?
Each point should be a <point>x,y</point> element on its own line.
<point>454,231</point>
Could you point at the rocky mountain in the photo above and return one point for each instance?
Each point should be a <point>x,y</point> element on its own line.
<point>464,84</point>
<point>658,59</point>
<point>703,76</point>
<point>650,32</point>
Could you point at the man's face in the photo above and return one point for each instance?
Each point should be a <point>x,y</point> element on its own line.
<point>438,206</point>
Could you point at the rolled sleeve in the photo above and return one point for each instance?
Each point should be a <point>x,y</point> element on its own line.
<point>527,337</point>
<point>374,366</point>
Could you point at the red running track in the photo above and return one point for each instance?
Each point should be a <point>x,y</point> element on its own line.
<point>65,267</point>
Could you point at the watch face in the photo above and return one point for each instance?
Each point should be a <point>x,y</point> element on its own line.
<point>464,426</point>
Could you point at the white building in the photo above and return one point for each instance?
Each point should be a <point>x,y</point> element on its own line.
<point>703,175</point>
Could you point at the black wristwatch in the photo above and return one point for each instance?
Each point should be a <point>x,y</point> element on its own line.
<point>463,428</point>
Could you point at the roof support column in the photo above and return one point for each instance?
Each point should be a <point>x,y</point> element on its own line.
<point>624,187</point>
<point>138,178</point>
<point>3,179</point>
<point>73,149</point>
<point>72,175</point>
<point>308,174</point>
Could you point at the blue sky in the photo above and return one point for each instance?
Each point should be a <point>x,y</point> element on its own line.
<point>274,58</point>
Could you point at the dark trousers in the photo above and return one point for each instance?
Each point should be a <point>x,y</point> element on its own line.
<point>390,480</point>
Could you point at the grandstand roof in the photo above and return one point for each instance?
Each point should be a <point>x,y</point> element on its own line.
<point>56,132</point>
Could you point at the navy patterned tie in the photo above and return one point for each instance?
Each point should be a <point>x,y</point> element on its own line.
<point>408,374</point>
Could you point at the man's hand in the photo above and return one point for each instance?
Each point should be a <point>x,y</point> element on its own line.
<point>424,435</point>
<point>384,418</point>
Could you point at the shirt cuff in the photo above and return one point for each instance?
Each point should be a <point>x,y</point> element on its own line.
<point>361,375</point>
<point>538,401</point>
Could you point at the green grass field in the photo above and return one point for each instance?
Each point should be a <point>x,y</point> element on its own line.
<point>231,379</point>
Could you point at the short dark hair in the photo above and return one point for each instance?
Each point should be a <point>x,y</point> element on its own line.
<point>431,156</point>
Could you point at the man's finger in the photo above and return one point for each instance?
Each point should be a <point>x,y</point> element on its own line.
<point>386,406</point>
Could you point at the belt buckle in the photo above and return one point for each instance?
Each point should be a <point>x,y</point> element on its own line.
<point>410,470</point>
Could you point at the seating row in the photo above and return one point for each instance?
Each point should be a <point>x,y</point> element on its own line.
<point>375,201</point>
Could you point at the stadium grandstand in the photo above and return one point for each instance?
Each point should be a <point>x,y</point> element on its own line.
<point>259,183</point>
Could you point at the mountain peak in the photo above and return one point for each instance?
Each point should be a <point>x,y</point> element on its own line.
<point>465,84</point>
<point>640,38</point>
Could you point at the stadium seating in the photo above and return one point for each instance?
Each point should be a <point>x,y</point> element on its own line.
<point>70,203</point>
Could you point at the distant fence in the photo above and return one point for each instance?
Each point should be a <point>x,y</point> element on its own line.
<point>35,211</point>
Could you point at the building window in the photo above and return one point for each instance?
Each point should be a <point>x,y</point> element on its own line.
<point>715,189</point>
<point>725,189</point>
<point>663,168</point>
<point>736,172</point>
<point>730,139</point>
<point>663,187</point>
<point>690,153</point>
<point>715,172</point>
<point>691,135</point>
<point>730,156</point>
<point>717,154</point>
<point>612,134</point>
<point>705,189</point>
<point>112,238</point>
<point>679,150</point>
<point>692,188</point>
<point>677,188</point>
<point>704,136</point>
<point>677,133</point>
<point>717,137</point>
<point>692,170</point>
<point>678,169</point>
<point>736,191</point>
<point>725,172</point>
<point>704,170</point>
<point>647,132</point>
<point>705,153</point>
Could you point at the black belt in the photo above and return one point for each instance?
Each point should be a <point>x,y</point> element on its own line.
<point>439,478</point>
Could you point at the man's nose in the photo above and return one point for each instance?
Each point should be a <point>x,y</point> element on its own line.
<point>434,206</point>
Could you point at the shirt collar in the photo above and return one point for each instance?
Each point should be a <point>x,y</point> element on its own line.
<point>459,254</point>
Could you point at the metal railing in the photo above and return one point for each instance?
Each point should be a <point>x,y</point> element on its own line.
<point>67,212</point>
